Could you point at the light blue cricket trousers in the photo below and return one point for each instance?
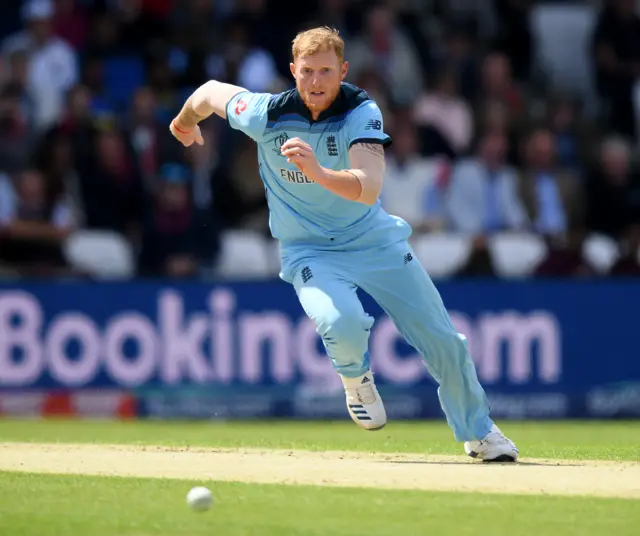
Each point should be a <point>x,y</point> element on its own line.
<point>326,284</point>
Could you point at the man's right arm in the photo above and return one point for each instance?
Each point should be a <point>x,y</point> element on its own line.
<point>244,110</point>
<point>210,98</point>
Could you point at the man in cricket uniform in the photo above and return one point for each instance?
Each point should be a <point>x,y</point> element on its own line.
<point>321,158</point>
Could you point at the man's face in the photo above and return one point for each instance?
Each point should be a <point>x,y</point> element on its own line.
<point>615,162</point>
<point>496,72</point>
<point>79,102</point>
<point>174,196</point>
<point>541,149</point>
<point>494,149</point>
<point>318,78</point>
<point>31,188</point>
<point>144,105</point>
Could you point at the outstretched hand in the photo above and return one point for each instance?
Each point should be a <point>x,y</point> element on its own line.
<point>301,154</point>
<point>186,136</point>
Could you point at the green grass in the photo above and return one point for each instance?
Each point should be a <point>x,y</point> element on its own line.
<point>52,505</point>
<point>568,440</point>
<point>39,505</point>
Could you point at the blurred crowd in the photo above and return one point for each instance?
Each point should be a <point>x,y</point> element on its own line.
<point>485,139</point>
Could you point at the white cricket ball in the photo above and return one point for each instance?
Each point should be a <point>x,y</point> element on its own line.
<point>199,499</point>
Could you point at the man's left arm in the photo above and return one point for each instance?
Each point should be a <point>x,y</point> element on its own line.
<point>367,142</point>
<point>362,182</point>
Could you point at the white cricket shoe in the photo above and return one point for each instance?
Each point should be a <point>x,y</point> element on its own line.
<point>495,447</point>
<point>364,403</point>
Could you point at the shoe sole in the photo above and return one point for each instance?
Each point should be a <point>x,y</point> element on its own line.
<point>503,458</point>
<point>369,429</point>
<point>375,429</point>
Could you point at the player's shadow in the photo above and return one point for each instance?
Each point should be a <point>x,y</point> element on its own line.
<point>453,462</point>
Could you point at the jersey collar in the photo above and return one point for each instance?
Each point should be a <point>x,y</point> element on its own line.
<point>337,107</point>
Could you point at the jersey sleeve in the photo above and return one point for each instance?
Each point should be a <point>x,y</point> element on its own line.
<point>365,125</point>
<point>247,112</point>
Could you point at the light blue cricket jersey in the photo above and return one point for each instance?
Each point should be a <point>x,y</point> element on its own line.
<point>303,213</point>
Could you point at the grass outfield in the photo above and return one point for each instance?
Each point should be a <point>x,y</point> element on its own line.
<point>71,505</point>
<point>70,478</point>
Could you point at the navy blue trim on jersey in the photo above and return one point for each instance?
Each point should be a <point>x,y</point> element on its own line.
<point>385,142</point>
<point>291,105</point>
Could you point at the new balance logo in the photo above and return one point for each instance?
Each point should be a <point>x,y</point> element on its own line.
<point>332,147</point>
<point>374,124</point>
<point>408,258</point>
<point>306,274</point>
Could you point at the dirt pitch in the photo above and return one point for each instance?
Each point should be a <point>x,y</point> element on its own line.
<point>396,471</point>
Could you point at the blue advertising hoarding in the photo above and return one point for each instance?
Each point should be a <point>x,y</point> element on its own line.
<point>542,349</point>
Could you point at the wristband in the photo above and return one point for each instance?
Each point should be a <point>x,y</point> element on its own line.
<point>181,131</point>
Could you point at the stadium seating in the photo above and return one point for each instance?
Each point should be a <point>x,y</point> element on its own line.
<point>100,254</point>
<point>601,252</point>
<point>245,254</point>
<point>442,253</point>
<point>516,254</point>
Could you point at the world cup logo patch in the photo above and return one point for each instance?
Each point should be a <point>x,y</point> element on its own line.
<point>279,142</point>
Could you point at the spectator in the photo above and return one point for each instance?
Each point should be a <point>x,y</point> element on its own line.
<point>493,117</point>
<point>515,178</point>
<point>613,192</point>
<point>78,123</point>
<point>198,18</point>
<point>55,160</point>
<point>70,22</point>
<point>334,13</point>
<point>616,45</point>
<point>445,119</point>
<point>16,133</point>
<point>483,195</point>
<point>573,136</point>
<point>162,82</point>
<point>480,262</point>
<point>151,140</point>
<point>385,47</point>
<point>102,107</point>
<point>33,224</point>
<point>514,34</point>
<point>52,61</point>
<point>18,78</point>
<point>202,161</point>
<point>177,238</point>
<point>110,185</point>
<point>246,64</point>
<point>458,56</point>
<point>497,84</point>
<point>104,40</point>
<point>142,23</point>
<point>413,186</point>
<point>239,195</point>
<point>551,196</point>
<point>565,257</point>
<point>270,25</point>
<point>628,265</point>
